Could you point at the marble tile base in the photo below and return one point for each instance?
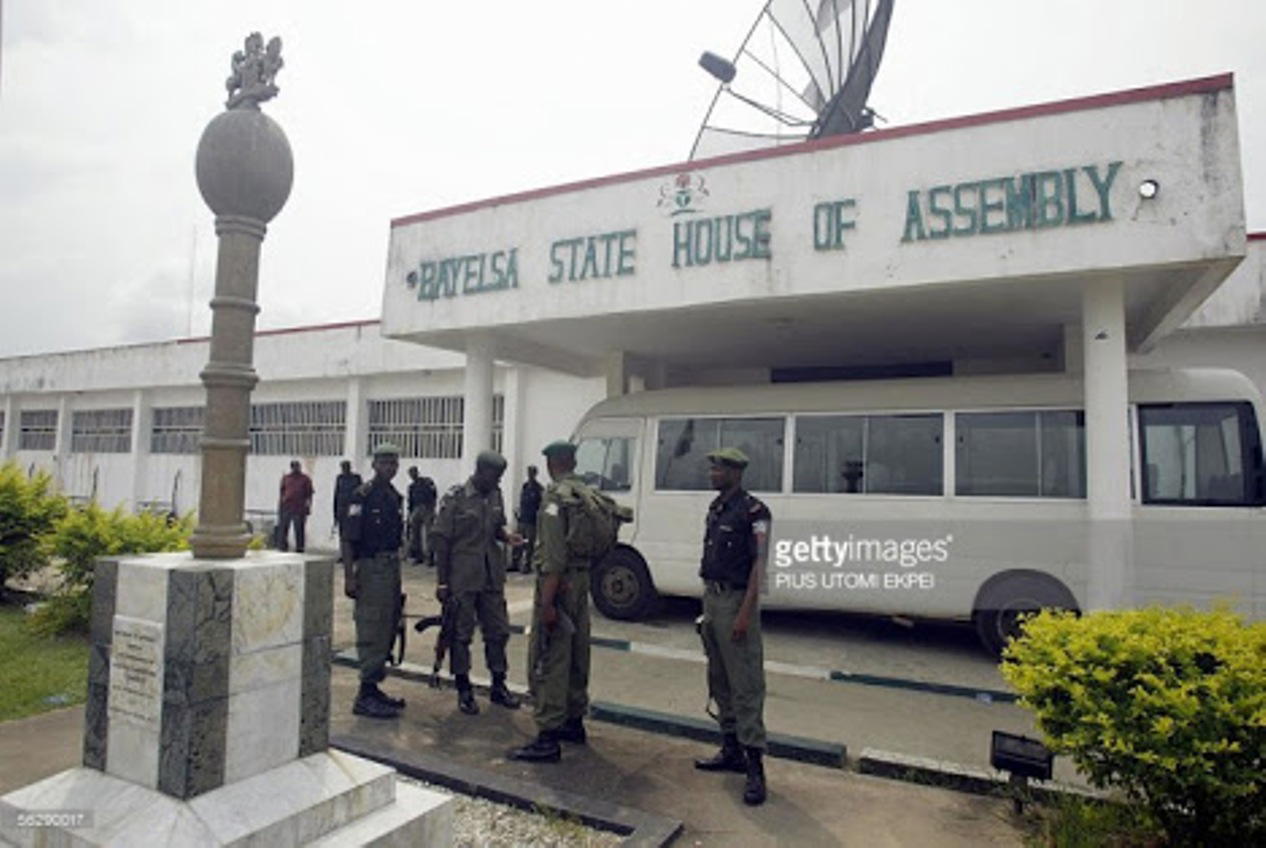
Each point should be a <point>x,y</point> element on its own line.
<point>329,798</point>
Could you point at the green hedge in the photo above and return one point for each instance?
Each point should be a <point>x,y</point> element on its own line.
<point>80,538</point>
<point>29,511</point>
<point>1166,705</point>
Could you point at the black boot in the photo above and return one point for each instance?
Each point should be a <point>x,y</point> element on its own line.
<point>499,694</point>
<point>573,730</point>
<point>394,703</point>
<point>544,750</point>
<point>466,696</point>
<point>368,705</point>
<point>754,790</point>
<point>729,758</point>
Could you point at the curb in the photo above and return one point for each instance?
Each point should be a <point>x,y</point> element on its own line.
<point>962,778</point>
<point>639,829</point>
<point>811,751</point>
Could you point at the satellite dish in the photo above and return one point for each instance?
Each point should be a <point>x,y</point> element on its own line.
<point>798,75</point>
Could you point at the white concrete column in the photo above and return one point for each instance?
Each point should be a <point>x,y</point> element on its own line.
<point>355,439</point>
<point>513,389</point>
<point>1107,444</point>
<point>1071,353</point>
<point>9,438</point>
<point>477,413</point>
<point>141,421</point>
<point>616,366</point>
<point>61,445</point>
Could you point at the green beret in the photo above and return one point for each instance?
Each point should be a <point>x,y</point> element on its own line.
<point>731,457</point>
<point>386,449</point>
<point>560,448</point>
<point>491,459</point>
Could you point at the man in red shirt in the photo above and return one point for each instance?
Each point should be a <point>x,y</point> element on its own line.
<point>293,507</point>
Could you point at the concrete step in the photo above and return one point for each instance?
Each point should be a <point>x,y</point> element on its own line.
<point>418,818</point>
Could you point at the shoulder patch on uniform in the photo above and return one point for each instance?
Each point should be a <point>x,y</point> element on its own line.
<point>551,508</point>
<point>364,488</point>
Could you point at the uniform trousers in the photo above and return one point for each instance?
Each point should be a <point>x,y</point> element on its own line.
<point>377,612</point>
<point>736,670</point>
<point>558,663</point>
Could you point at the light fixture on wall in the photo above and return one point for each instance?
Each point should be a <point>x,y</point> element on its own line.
<point>1149,189</point>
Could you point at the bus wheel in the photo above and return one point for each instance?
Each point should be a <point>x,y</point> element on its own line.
<point>622,586</point>
<point>1003,602</point>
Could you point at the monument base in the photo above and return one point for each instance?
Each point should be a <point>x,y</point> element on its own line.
<point>327,799</point>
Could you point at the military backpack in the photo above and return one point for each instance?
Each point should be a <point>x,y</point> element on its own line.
<point>593,520</point>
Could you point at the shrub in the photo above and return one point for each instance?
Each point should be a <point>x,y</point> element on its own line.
<point>29,510</point>
<point>1167,705</point>
<point>85,534</point>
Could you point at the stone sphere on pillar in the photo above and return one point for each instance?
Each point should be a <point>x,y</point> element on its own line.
<point>244,166</point>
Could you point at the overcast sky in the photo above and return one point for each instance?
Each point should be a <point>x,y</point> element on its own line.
<point>398,107</point>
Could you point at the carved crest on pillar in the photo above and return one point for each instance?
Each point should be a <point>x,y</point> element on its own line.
<point>253,70</point>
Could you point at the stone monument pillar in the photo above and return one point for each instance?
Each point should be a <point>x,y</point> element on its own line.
<point>244,170</point>
<point>207,721</point>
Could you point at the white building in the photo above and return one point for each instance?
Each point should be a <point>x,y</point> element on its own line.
<point>986,244</point>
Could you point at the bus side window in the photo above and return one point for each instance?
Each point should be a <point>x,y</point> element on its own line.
<point>1200,454</point>
<point>681,462</point>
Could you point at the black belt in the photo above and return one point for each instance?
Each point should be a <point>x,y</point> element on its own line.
<point>718,586</point>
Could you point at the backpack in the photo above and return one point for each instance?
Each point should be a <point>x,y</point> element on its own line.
<point>593,521</point>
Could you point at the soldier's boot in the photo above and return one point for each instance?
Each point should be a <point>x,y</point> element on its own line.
<point>544,749</point>
<point>754,790</point>
<point>370,706</point>
<point>466,696</point>
<point>573,730</point>
<point>499,694</point>
<point>729,758</point>
<point>394,703</point>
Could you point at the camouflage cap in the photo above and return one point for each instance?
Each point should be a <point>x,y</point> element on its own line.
<point>559,448</point>
<point>386,449</point>
<point>730,457</point>
<point>491,459</point>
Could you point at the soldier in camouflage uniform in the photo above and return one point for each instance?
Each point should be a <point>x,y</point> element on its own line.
<point>735,545</point>
<point>371,575</point>
<point>558,660</point>
<point>471,572</point>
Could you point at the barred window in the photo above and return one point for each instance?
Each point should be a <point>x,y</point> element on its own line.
<point>427,427</point>
<point>37,429</point>
<point>176,429</point>
<point>300,428</point>
<point>101,431</point>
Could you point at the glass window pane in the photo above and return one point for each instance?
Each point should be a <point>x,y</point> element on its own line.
<point>828,456</point>
<point>606,463</point>
<point>762,440</point>
<point>1062,437</point>
<point>903,455</point>
<point>996,454</point>
<point>1192,452</point>
<point>681,462</point>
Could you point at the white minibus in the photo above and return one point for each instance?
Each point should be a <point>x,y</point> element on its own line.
<point>950,497</point>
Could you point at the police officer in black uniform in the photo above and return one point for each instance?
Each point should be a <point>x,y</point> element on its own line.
<point>373,530</point>
<point>735,545</point>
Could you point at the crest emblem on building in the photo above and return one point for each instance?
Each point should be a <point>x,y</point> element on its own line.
<point>682,194</point>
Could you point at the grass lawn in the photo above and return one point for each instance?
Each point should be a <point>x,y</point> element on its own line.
<point>33,670</point>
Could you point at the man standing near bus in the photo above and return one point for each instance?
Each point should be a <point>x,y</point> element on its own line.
<point>734,549</point>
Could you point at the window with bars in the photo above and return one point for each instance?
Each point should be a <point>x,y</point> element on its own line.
<point>37,429</point>
<point>298,428</point>
<point>101,431</point>
<point>176,429</point>
<point>427,427</point>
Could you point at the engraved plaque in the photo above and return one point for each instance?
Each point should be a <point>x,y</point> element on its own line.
<point>136,672</point>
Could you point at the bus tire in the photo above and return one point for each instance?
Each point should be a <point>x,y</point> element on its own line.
<point>622,587</point>
<point>1005,598</point>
